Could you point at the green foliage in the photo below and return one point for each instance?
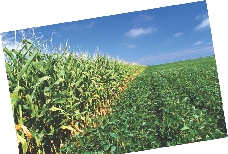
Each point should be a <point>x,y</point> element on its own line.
<point>58,96</point>
<point>55,95</point>
<point>166,105</point>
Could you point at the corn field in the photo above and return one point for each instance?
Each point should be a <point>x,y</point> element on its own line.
<point>57,96</point>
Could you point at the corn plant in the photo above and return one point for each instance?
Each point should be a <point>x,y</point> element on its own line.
<point>55,96</point>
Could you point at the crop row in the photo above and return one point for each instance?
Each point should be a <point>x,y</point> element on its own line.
<point>165,105</point>
<point>55,96</point>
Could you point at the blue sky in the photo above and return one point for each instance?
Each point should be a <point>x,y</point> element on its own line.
<point>149,37</point>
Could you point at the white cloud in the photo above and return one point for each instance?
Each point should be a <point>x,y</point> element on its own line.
<point>9,42</point>
<point>142,18</point>
<point>201,16</point>
<point>146,17</point>
<point>139,31</point>
<point>198,43</point>
<point>203,24</point>
<point>90,25</point>
<point>177,34</point>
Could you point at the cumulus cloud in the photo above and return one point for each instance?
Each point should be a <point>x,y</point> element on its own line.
<point>139,31</point>
<point>177,34</point>
<point>205,23</point>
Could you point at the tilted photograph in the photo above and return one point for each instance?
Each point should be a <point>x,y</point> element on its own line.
<point>115,84</point>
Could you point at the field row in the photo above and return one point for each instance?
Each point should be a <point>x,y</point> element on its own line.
<point>165,105</point>
<point>82,104</point>
<point>55,96</point>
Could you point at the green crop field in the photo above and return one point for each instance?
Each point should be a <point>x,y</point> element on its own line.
<point>84,104</point>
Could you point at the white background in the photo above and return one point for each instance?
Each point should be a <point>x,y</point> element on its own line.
<point>21,14</point>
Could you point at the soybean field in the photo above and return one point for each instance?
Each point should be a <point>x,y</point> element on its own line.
<point>166,105</point>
